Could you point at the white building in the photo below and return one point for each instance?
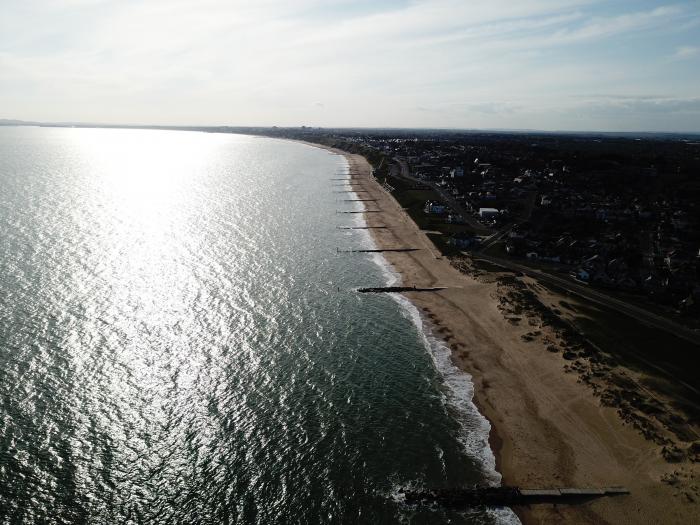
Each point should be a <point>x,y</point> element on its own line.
<point>488,213</point>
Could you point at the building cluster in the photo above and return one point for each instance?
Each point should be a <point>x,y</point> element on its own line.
<point>616,212</point>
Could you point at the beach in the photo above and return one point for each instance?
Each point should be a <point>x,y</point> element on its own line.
<point>548,429</point>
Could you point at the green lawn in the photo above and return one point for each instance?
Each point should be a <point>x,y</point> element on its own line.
<point>413,200</point>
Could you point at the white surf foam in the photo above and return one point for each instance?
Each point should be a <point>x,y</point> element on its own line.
<point>459,388</point>
<point>458,395</point>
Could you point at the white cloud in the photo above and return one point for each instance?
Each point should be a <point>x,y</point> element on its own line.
<point>269,61</point>
<point>685,52</point>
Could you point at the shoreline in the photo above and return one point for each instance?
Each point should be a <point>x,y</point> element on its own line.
<point>359,173</point>
<point>547,429</point>
<point>431,340</point>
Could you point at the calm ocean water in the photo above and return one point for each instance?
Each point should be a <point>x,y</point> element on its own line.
<point>180,342</point>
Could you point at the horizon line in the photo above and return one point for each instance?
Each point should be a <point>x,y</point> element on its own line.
<point>19,122</point>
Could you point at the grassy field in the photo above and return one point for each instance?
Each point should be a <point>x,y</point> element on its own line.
<point>413,198</point>
<point>669,363</point>
<point>647,350</point>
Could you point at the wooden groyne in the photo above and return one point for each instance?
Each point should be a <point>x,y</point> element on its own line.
<point>362,227</point>
<point>379,250</point>
<point>359,200</point>
<point>400,289</point>
<point>352,191</point>
<point>363,211</point>
<point>506,496</point>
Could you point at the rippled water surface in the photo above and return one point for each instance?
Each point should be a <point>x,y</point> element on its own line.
<point>180,343</point>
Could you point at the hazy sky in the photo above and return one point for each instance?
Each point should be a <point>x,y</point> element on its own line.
<point>546,64</point>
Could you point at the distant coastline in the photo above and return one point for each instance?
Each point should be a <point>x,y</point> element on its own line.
<point>292,132</point>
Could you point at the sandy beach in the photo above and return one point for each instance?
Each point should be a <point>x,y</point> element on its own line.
<point>548,429</point>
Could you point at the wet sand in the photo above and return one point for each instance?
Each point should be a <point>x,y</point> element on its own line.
<point>548,429</point>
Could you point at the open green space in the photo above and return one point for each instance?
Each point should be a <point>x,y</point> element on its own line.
<point>647,350</point>
<point>412,197</point>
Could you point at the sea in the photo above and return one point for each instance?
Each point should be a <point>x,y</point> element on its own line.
<point>181,341</point>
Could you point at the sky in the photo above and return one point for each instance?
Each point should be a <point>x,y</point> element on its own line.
<point>615,65</point>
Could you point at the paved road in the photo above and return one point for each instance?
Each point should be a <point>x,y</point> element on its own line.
<point>493,239</point>
<point>645,316</point>
<point>456,206</point>
<point>449,199</point>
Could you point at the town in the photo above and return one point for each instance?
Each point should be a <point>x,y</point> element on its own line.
<point>614,212</point>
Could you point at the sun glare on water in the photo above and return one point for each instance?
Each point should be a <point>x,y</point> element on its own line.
<point>139,207</point>
<point>146,173</point>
